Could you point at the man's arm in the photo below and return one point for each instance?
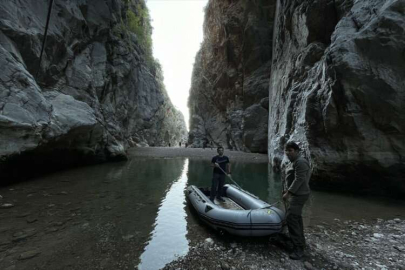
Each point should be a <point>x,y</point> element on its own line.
<point>228,168</point>
<point>213,162</point>
<point>301,172</point>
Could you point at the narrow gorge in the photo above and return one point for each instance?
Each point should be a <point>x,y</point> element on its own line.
<point>328,74</point>
<point>229,94</point>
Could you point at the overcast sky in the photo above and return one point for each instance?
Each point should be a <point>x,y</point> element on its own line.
<point>177,35</point>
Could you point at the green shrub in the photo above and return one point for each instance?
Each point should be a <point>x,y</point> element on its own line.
<point>140,25</point>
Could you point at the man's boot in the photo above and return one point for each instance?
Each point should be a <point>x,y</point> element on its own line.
<point>297,254</point>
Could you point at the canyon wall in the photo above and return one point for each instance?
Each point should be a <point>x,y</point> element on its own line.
<point>229,93</point>
<point>96,92</point>
<point>337,86</point>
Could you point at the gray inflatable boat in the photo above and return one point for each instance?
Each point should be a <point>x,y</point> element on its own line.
<point>241,214</point>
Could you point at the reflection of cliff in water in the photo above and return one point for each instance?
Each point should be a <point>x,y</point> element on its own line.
<point>168,238</point>
<point>133,191</point>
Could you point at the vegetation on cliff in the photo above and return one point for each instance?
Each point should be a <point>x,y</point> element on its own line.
<point>136,19</point>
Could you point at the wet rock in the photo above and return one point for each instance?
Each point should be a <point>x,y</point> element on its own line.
<point>308,266</point>
<point>208,243</point>
<point>397,220</point>
<point>400,248</point>
<point>31,219</point>
<point>6,205</point>
<point>225,266</point>
<point>21,215</point>
<point>28,255</point>
<point>58,223</point>
<point>52,229</point>
<point>24,234</point>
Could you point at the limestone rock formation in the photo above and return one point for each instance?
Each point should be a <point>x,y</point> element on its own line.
<point>337,86</point>
<point>229,93</point>
<point>95,94</point>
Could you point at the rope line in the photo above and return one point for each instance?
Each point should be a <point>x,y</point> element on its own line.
<point>229,177</point>
<point>45,34</point>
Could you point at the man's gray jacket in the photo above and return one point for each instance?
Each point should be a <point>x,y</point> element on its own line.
<point>298,174</point>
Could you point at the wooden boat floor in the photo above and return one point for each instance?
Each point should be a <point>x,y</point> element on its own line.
<point>228,204</point>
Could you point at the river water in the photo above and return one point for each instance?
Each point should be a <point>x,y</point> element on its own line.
<point>135,213</point>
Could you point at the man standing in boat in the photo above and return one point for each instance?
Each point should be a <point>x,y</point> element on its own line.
<point>297,175</point>
<point>221,165</point>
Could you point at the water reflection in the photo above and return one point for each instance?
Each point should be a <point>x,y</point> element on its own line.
<point>168,238</point>
<point>138,208</point>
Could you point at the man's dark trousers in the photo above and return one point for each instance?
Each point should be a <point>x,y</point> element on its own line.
<point>218,181</point>
<point>294,221</point>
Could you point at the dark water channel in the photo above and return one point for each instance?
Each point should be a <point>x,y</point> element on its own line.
<point>135,214</point>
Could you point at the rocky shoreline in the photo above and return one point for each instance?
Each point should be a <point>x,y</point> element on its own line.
<point>195,153</point>
<point>377,244</point>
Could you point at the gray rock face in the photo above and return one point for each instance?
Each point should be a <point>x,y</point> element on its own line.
<point>337,86</point>
<point>230,80</point>
<point>94,94</point>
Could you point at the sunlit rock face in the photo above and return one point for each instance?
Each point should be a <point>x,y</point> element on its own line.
<point>94,94</point>
<point>337,86</point>
<point>229,94</point>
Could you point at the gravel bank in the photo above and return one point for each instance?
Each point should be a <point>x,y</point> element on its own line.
<point>342,245</point>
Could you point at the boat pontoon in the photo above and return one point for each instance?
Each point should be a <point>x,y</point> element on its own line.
<point>241,213</point>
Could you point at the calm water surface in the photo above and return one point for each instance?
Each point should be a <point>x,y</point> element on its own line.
<point>141,203</point>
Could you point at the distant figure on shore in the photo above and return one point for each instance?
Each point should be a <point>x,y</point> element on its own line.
<point>170,145</point>
<point>180,144</point>
<point>221,165</point>
<point>186,144</point>
<point>296,187</point>
<point>205,143</point>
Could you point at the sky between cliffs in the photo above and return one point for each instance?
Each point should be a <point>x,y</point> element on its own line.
<point>177,35</point>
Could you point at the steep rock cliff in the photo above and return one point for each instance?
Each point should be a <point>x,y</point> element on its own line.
<point>96,93</point>
<point>229,93</point>
<point>337,86</point>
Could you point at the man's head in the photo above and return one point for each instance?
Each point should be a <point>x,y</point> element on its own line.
<point>291,150</point>
<point>220,150</point>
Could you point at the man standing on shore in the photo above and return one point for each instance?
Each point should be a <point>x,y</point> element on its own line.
<point>297,175</point>
<point>221,165</point>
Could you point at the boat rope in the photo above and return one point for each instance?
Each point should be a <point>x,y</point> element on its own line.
<point>250,217</point>
<point>45,34</point>
<point>271,205</point>
<point>282,194</point>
